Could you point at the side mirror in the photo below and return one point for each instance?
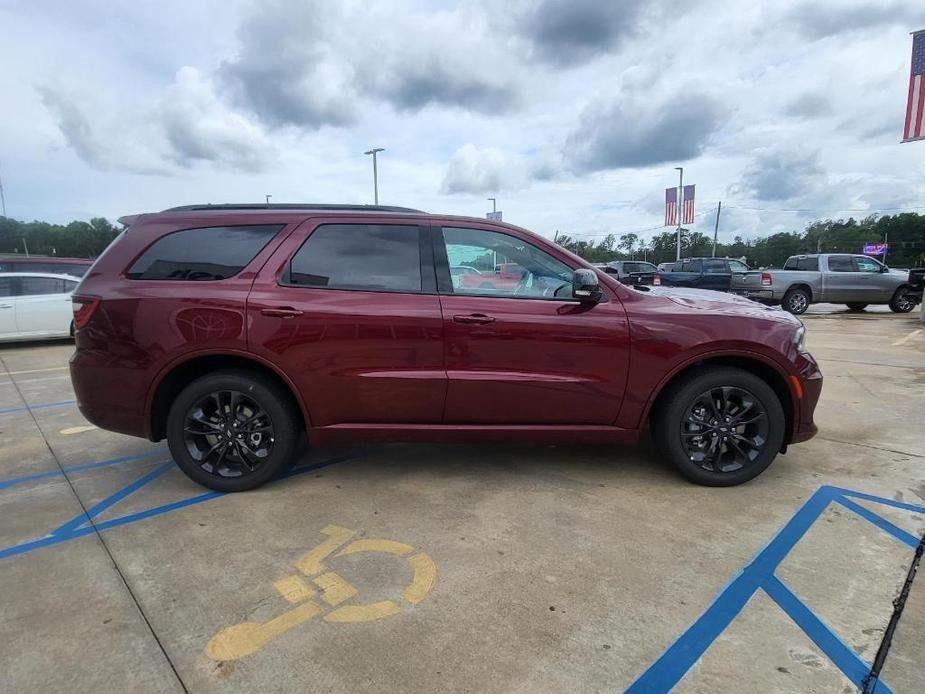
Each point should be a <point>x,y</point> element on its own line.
<point>884,268</point>
<point>585,286</point>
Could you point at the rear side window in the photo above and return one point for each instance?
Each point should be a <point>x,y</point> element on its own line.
<point>714,267</point>
<point>211,253</point>
<point>809,264</point>
<point>8,286</point>
<point>371,257</point>
<point>36,286</point>
<point>841,263</point>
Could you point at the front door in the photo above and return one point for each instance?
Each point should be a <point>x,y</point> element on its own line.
<point>349,311</point>
<point>44,308</point>
<point>525,352</point>
<point>877,285</point>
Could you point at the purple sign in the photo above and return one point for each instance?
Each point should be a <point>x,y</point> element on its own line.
<point>876,248</point>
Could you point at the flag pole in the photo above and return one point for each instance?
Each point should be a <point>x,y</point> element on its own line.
<point>716,228</point>
<point>680,207</point>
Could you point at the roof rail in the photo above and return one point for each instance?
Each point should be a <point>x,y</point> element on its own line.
<point>292,206</point>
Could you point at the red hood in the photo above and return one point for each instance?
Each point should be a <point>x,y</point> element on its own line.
<point>721,302</point>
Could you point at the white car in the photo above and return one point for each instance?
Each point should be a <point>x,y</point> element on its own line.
<point>35,305</point>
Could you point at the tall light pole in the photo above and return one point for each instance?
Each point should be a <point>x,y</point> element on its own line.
<point>374,151</point>
<point>494,204</point>
<point>680,207</point>
<point>2,199</point>
<point>268,199</point>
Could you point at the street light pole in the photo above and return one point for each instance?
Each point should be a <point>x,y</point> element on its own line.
<point>716,228</point>
<point>374,151</point>
<point>2,199</point>
<point>680,207</point>
<point>268,199</point>
<point>494,204</point>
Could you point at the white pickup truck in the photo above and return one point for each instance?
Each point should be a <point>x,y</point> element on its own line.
<point>837,278</point>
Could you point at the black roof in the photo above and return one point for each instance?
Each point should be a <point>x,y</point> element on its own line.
<point>293,206</point>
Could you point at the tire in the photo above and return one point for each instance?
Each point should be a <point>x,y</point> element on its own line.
<point>200,417</point>
<point>854,306</point>
<point>796,301</point>
<point>902,301</point>
<point>674,438</point>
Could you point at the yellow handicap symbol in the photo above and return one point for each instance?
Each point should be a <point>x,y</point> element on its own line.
<point>245,638</point>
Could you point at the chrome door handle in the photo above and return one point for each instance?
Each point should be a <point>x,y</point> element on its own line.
<point>479,318</point>
<point>281,312</point>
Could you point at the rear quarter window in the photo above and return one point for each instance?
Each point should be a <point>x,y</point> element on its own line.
<point>209,253</point>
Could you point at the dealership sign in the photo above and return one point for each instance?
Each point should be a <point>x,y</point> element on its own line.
<point>876,248</point>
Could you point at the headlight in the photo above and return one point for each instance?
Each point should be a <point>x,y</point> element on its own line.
<point>799,339</point>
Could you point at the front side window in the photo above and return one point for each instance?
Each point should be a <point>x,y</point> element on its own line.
<point>36,286</point>
<point>210,253</point>
<point>370,257</point>
<point>866,264</point>
<point>841,263</point>
<point>508,266</point>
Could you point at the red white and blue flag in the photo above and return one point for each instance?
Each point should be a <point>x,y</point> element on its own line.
<point>914,123</point>
<point>671,207</point>
<point>688,216</point>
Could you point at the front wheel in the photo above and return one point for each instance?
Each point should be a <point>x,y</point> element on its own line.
<point>902,301</point>
<point>232,430</point>
<point>796,301</point>
<point>720,426</point>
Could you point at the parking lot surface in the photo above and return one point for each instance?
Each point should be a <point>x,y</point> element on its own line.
<point>400,568</point>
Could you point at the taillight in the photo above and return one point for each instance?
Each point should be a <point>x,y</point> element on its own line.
<point>765,279</point>
<point>84,306</point>
<point>657,280</point>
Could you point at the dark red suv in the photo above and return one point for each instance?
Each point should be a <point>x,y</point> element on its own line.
<point>234,330</point>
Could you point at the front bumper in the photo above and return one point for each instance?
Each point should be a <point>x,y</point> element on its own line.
<point>810,379</point>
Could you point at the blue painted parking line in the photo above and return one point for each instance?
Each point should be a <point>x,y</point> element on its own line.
<point>40,406</point>
<point>79,468</point>
<point>674,663</point>
<point>75,527</point>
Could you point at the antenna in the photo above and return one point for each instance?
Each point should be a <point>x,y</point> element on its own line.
<point>2,200</point>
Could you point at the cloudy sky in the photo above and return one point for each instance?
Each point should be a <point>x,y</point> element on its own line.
<point>572,113</point>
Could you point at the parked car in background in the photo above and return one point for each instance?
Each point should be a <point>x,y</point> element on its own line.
<point>701,273</point>
<point>76,267</point>
<point>234,331</point>
<point>506,276</point>
<point>836,278</point>
<point>457,272</point>
<point>630,271</point>
<point>35,306</point>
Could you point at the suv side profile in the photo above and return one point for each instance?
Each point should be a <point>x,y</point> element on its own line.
<point>235,331</point>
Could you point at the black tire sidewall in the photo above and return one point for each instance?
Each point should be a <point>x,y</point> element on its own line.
<point>786,302</point>
<point>268,395</point>
<point>894,302</point>
<point>667,424</point>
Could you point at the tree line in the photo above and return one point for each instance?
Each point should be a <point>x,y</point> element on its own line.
<point>904,232</point>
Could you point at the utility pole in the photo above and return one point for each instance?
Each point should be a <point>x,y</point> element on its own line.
<point>374,151</point>
<point>268,199</point>
<point>680,207</point>
<point>716,228</point>
<point>494,204</point>
<point>555,238</point>
<point>25,245</point>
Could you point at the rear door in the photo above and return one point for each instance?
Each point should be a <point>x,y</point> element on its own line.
<point>44,307</point>
<point>841,280</point>
<point>716,274</point>
<point>8,291</point>
<point>348,309</point>
<point>531,353</point>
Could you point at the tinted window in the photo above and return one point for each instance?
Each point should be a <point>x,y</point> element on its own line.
<point>810,264</point>
<point>35,286</point>
<point>866,264</point>
<point>646,267</point>
<point>840,263</point>
<point>521,269</point>
<point>738,266</point>
<point>360,256</point>
<point>69,286</point>
<point>212,253</point>
<point>714,267</point>
<point>8,286</point>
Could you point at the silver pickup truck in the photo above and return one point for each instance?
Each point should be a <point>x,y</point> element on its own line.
<point>837,278</point>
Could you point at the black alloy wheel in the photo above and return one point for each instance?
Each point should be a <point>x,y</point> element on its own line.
<point>902,301</point>
<point>233,430</point>
<point>718,425</point>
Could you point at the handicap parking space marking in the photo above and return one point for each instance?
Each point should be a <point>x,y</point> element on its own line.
<point>246,638</point>
<point>79,468</point>
<point>83,524</point>
<point>40,406</point>
<point>675,662</point>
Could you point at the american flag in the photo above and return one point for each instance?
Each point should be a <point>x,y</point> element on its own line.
<point>671,207</point>
<point>688,216</point>
<point>914,121</point>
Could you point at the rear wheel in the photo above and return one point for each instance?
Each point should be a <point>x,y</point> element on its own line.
<point>720,427</point>
<point>854,306</point>
<point>902,301</point>
<point>232,430</point>
<point>796,301</point>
